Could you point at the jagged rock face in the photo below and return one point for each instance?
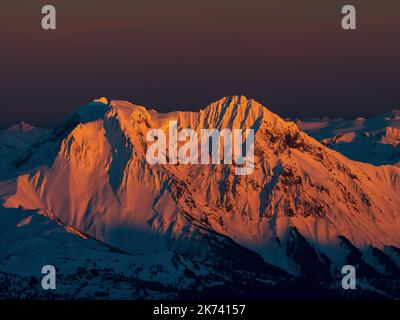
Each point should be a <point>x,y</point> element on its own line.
<point>99,182</point>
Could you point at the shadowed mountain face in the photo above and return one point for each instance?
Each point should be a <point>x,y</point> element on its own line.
<point>303,213</point>
<point>375,140</point>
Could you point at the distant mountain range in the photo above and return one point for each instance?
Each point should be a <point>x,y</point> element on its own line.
<point>83,198</point>
<point>375,140</point>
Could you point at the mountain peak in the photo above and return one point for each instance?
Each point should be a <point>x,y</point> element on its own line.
<point>21,127</point>
<point>102,100</point>
<point>240,112</point>
<point>235,104</point>
<point>391,136</point>
<point>235,101</point>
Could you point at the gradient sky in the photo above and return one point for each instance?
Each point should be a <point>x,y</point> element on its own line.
<point>292,56</point>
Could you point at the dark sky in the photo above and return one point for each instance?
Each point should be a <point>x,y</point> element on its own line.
<point>292,56</point>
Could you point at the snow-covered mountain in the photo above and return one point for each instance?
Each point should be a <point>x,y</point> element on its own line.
<point>375,140</point>
<point>304,212</point>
